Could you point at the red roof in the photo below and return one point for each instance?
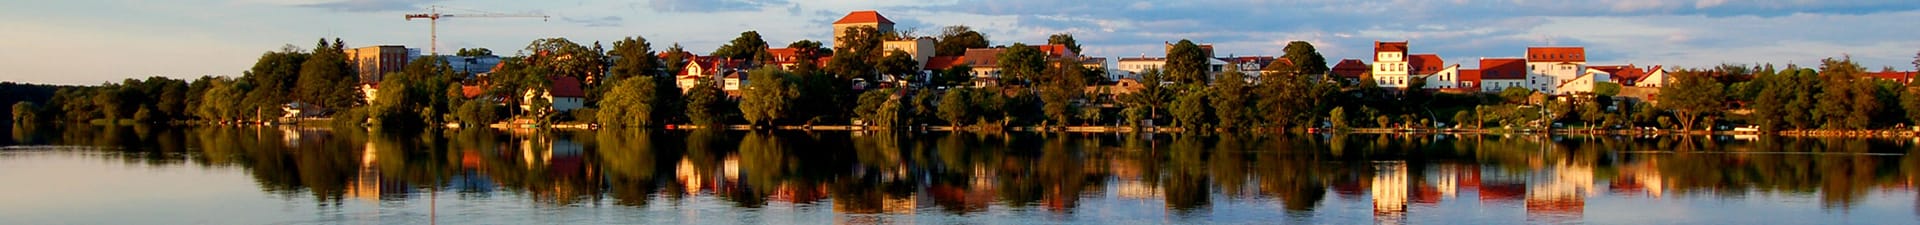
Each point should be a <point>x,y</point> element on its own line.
<point>1426,63</point>
<point>1622,74</point>
<point>1503,69</point>
<point>1053,51</point>
<point>1350,68</point>
<point>865,16</point>
<point>982,57</point>
<point>1556,54</point>
<point>1379,47</point>
<point>1470,75</point>
<point>567,87</point>
<point>470,91</point>
<point>1891,75</point>
<point>942,62</point>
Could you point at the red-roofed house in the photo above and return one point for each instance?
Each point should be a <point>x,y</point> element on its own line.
<point>710,68</point>
<point>564,95</point>
<point>986,70</point>
<point>1350,69</point>
<point>1497,74</point>
<point>1553,67</point>
<point>1391,68</point>
<point>864,18</point>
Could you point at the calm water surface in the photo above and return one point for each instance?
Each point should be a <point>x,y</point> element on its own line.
<point>201,175</point>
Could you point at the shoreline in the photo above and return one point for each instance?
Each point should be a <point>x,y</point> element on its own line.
<point>313,122</point>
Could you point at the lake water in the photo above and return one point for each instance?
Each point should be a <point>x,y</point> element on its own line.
<point>285,175</point>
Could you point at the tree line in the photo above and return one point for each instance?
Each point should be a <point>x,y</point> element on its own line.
<point>631,84</point>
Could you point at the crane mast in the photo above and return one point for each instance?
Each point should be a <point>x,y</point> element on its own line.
<point>433,17</point>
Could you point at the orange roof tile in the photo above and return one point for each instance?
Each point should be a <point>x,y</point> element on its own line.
<point>1503,68</point>
<point>864,16</point>
<point>1426,63</point>
<point>1470,75</point>
<point>1556,54</point>
<point>942,62</point>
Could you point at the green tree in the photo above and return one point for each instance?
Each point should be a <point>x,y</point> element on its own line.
<point>956,39</point>
<point>749,46</point>
<point>1690,96</point>
<point>954,107</point>
<point>768,97</point>
<point>1339,117</point>
<point>633,57</point>
<point>676,59</point>
<point>1230,100</point>
<point>808,52</point>
<point>472,52</point>
<point>1021,63</point>
<point>1300,58</point>
<point>706,104</point>
<point>1190,110</point>
<point>855,54</point>
<point>1065,39</point>
<point>271,82</point>
<point>1152,97</point>
<point>637,102</point>
<point>478,113</point>
<point>1187,63</point>
<point>882,108</point>
<point>898,63</point>
<point>1516,95</point>
<point>327,79</point>
<point>565,58</point>
<point>1060,85</point>
<point>25,112</point>
<point>1801,112</point>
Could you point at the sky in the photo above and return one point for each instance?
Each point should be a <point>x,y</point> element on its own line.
<point>84,42</point>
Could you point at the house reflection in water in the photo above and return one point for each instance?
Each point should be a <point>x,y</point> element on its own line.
<point>1558,192</point>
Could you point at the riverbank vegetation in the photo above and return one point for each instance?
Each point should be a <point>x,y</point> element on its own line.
<point>631,85</point>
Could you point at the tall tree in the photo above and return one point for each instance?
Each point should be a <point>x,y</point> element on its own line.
<point>638,101</point>
<point>566,58</point>
<point>956,39</point>
<point>1062,84</point>
<point>327,79</point>
<point>634,57</point>
<point>1691,96</point>
<point>768,97</point>
<point>676,59</point>
<point>1230,100</point>
<point>706,104</point>
<point>898,63</point>
<point>808,52</point>
<point>749,46</point>
<point>1021,63</point>
<point>1064,39</point>
<point>1300,58</point>
<point>855,54</point>
<point>1187,63</point>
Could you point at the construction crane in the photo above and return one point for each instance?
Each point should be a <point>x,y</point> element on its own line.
<point>433,16</point>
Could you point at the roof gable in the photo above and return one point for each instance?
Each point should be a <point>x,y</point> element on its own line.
<point>566,87</point>
<point>864,16</point>
<point>1426,63</point>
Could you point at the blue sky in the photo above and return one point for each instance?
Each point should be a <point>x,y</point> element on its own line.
<point>94,41</point>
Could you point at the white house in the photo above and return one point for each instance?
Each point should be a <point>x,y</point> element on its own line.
<point>1498,74</point>
<point>564,95</point>
<point>1548,68</point>
<point>1390,66</point>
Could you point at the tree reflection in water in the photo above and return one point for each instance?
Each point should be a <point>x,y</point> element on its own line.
<point>1551,179</point>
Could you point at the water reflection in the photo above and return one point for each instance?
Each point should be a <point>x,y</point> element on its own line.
<point>1549,180</point>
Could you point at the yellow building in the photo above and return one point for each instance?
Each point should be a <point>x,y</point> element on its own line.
<point>372,62</point>
<point>867,18</point>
